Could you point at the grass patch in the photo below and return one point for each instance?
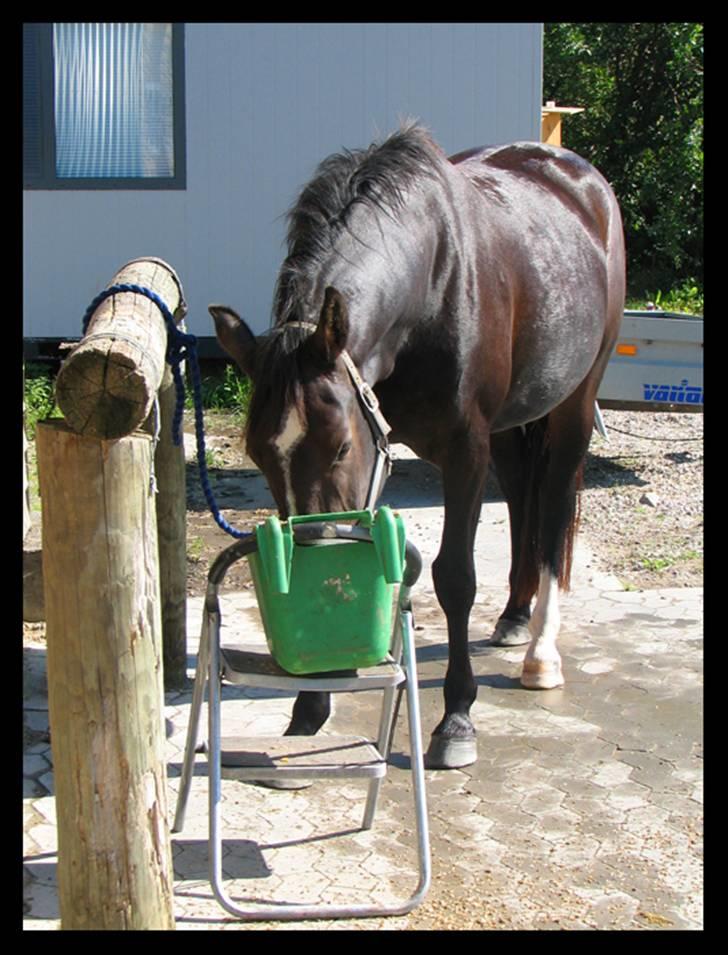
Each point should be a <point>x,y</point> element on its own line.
<point>657,563</point>
<point>688,298</point>
<point>38,397</point>
<point>224,391</point>
<point>195,546</point>
<point>662,563</point>
<point>213,459</point>
<point>227,390</point>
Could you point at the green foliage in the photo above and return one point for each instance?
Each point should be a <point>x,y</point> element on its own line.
<point>687,298</point>
<point>662,563</point>
<point>38,397</point>
<point>229,391</point>
<point>642,88</point>
<point>213,458</point>
<point>195,546</point>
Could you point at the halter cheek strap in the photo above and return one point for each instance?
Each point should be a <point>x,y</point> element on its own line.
<point>379,427</point>
<point>378,424</point>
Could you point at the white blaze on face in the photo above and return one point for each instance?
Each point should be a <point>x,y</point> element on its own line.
<point>285,443</point>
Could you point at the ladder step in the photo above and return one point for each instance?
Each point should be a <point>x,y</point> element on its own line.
<point>323,757</point>
<point>254,666</point>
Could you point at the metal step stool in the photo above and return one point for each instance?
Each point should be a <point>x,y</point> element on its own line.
<point>305,757</point>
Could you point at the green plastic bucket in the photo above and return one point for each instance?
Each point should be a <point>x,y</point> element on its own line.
<point>327,605</point>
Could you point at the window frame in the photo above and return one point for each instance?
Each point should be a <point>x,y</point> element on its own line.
<point>48,179</point>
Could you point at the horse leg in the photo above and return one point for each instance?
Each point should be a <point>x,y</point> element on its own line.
<point>569,431</point>
<point>310,711</point>
<point>511,451</point>
<point>453,742</point>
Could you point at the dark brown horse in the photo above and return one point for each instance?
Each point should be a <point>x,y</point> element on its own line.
<point>480,297</point>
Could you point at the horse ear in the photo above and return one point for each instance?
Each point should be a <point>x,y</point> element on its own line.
<point>332,332</point>
<point>235,337</point>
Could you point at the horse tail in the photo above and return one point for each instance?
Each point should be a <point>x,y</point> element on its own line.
<point>533,552</point>
<point>534,462</point>
<point>567,552</point>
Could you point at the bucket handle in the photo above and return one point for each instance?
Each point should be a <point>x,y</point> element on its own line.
<point>365,518</point>
<point>389,540</point>
<point>276,550</point>
<point>276,542</point>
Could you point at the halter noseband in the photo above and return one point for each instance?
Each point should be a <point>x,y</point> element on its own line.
<point>378,424</point>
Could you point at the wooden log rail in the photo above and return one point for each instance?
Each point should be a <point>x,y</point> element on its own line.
<point>107,385</point>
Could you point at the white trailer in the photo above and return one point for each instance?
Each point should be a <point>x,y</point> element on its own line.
<point>657,363</point>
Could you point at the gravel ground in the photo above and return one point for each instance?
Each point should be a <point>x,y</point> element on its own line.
<point>641,509</point>
<point>642,503</point>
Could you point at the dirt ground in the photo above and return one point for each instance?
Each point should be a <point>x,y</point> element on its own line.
<point>641,505</point>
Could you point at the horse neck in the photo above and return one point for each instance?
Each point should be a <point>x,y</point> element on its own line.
<point>384,270</point>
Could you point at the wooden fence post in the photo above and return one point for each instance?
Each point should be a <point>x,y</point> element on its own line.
<point>106,388</point>
<point>105,680</point>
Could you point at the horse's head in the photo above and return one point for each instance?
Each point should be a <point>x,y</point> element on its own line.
<point>309,428</point>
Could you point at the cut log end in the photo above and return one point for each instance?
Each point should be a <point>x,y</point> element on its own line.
<point>104,394</point>
<point>106,385</point>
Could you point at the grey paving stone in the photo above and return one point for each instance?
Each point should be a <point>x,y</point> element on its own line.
<point>583,810</point>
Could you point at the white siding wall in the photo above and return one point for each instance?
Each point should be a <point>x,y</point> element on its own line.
<point>265,103</point>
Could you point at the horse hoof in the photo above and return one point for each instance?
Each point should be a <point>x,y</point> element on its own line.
<point>541,675</point>
<point>448,753</point>
<point>510,633</point>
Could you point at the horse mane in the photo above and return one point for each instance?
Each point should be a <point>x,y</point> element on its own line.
<point>377,176</point>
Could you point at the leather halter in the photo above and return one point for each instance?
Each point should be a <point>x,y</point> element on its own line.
<point>378,424</point>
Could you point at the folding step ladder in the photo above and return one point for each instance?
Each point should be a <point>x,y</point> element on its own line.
<point>307,757</point>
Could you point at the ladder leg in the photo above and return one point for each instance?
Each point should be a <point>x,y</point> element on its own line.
<point>213,761</point>
<point>390,707</point>
<point>198,693</point>
<point>417,760</point>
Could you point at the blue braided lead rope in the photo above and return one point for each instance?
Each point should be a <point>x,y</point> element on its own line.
<point>181,346</point>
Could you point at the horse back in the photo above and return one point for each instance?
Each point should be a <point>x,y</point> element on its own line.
<point>549,170</point>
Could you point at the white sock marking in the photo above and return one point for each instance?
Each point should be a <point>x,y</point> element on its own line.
<point>542,663</point>
<point>546,619</point>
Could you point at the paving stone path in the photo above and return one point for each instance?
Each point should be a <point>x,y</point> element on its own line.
<point>584,810</point>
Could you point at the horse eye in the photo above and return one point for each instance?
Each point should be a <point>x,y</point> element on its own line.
<point>343,451</point>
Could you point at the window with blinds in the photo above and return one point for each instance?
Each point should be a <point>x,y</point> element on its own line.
<point>102,105</point>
